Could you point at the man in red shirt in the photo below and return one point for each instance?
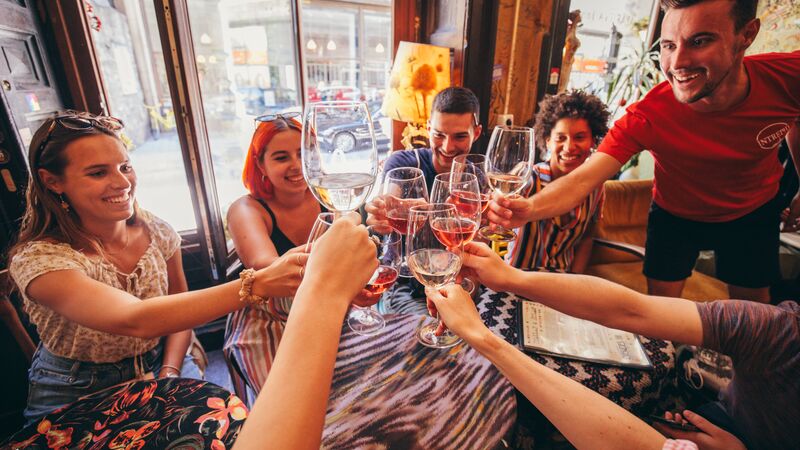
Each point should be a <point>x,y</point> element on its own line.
<point>714,128</point>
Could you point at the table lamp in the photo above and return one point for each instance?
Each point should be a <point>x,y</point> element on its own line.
<point>419,72</point>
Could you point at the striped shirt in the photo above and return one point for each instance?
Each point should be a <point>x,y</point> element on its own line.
<point>550,243</point>
<point>763,341</point>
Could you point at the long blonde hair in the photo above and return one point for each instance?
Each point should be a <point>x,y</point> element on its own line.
<point>45,218</point>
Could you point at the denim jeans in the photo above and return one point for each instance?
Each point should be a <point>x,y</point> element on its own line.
<point>55,381</point>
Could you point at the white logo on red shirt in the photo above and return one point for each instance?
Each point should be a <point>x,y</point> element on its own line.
<point>771,135</point>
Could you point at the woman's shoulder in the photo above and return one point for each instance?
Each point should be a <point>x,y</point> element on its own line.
<point>46,255</point>
<point>247,207</point>
<point>161,232</point>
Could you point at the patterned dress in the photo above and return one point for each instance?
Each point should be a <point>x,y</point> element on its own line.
<point>550,243</point>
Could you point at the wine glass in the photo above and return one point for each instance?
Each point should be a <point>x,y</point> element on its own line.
<point>508,168</point>
<point>365,320</point>
<point>339,152</point>
<point>474,163</point>
<point>462,191</point>
<point>433,246</point>
<point>403,187</point>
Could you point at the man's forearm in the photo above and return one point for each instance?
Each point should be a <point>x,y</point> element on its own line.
<point>598,424</point>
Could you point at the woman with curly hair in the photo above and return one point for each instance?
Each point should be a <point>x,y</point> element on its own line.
<point>568,127</point>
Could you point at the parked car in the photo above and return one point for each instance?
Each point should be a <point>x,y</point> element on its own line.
<point>346,137</point>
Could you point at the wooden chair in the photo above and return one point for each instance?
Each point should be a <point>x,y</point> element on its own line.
<point>620,238</point>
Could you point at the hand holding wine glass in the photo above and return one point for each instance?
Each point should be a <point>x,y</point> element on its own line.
<point>403,188</point>
<point>508,169</point>
<point>460,190</point>
<point>432,258</point>
<point>339,168</point>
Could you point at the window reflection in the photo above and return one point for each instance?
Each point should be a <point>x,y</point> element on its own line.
<point>132,65</point>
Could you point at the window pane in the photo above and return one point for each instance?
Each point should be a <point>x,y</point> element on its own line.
<point>132,65</point>
<point>348,55</point>
<point>246,63</point>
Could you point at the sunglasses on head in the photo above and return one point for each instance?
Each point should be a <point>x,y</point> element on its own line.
<point>271,117</point>
<point>80,123</point>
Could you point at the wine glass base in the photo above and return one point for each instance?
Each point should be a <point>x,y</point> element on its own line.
<point>426,335</point>
<point>497,234</point>
<point>365,322</point>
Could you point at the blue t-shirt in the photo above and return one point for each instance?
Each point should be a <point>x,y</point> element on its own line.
<point>422,159</point>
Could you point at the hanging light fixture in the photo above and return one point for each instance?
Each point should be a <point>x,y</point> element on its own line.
<point>379,48</point>
<point>205,39</point>
<point>331,45</point>
<point>311,45</point>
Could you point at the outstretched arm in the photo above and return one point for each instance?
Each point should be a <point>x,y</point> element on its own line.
<point>597,423</point>
<point>591,298</point>
<point>99,306</point>
<point>290,409</point>
<point>559,197</point>
<point>793,141</point>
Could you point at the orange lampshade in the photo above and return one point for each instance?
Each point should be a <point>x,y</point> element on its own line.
<point>419,72</point>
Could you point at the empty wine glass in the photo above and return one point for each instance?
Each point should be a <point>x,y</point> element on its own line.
<point>508,169</point>
<point>365,320</point>
<point>403,187</point>
<point>474,163</point>
<point>339,152</point>
<point>433,247</point>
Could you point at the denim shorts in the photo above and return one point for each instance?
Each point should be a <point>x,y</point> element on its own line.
<point>55,381</point>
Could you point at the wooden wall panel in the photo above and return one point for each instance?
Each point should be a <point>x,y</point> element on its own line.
<point>521,27</point>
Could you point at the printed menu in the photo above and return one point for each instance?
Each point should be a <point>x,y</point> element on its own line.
<point>547,331</point>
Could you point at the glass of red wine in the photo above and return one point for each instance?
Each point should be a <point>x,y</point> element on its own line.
<point>403,187</point>
<point>474,163</point>
<point>433,246</point>
<point>365,320</point>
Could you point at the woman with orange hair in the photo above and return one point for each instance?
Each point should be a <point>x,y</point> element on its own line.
<point>275,217</point>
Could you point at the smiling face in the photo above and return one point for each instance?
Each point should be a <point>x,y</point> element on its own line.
<point>701,54</point>
<point>451,135</point>
<point>570,143</point>
<point>98,182</point>
<point>282,163</point>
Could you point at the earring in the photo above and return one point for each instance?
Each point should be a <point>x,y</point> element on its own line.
<point>64,204</point>
<point>263,178</point>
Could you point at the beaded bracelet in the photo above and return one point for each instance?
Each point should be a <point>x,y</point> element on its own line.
<point>248,276</point>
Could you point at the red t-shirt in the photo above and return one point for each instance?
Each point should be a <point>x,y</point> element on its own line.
<point>719,166</point>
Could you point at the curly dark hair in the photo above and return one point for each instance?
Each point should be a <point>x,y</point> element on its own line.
<point>574,104</point>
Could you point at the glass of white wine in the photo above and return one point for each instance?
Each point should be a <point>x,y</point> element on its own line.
<point>508,166</point>
<point>339,152</point>
<point>433,246</point>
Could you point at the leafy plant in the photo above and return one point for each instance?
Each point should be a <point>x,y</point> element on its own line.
<point>635,75</point>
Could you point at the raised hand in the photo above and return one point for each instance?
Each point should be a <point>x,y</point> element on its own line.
<point>456,311</point>
<point>376,213</point>
<point>343,259</point>
<point>479,262</point>
<point>510,212</point>
<point>283,276</point>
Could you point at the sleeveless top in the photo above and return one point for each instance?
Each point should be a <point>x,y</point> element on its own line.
<point>279,239</point>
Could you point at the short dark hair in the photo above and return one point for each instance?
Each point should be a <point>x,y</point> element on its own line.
<point>457,100</point>
<point>742,11</point>
<point>574,104</point>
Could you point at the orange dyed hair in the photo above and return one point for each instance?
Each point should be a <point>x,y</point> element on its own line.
<point>254,181</point>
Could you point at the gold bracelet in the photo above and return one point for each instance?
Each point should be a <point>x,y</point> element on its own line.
<point>248,276</point>
<point>167,366</point>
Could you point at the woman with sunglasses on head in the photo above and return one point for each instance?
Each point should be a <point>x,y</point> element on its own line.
<point>273,219</point>
<point>87,256</point>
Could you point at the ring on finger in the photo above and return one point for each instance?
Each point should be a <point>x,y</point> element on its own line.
<point>302,271</point>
